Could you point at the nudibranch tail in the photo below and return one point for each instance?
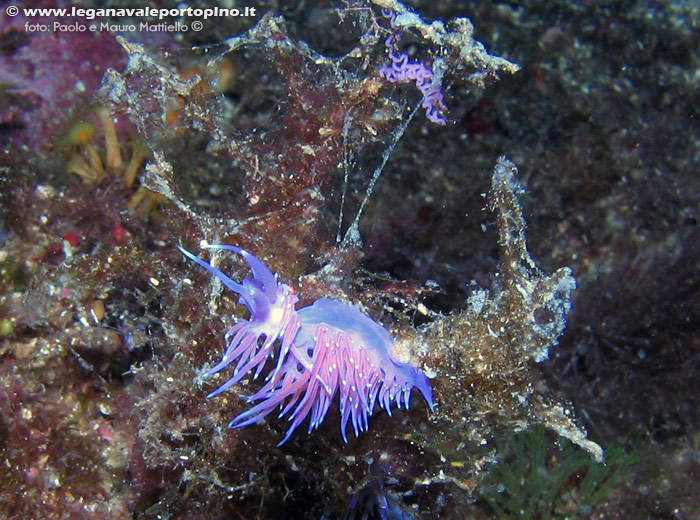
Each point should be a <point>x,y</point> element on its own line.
<point>327,348</point>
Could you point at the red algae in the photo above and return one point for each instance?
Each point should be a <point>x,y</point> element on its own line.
<point>335,179</point>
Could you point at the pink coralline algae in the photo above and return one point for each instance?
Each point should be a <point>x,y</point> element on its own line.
<point>326,348</point>
<point>47,74</point>
<point>402,70</point>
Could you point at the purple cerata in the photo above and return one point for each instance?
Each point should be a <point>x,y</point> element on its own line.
<point>327,348</point>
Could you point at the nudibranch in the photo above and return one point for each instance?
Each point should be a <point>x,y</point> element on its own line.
<point>321,350</point>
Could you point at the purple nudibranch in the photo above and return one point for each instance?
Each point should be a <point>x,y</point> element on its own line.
<point>326,348</point>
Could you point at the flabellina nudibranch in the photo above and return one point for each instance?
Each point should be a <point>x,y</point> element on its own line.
<point>325,348</point>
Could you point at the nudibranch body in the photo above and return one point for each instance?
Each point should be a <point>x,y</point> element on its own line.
<point>327,348</point>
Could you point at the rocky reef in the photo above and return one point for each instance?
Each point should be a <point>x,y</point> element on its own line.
<point>366,152</point>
